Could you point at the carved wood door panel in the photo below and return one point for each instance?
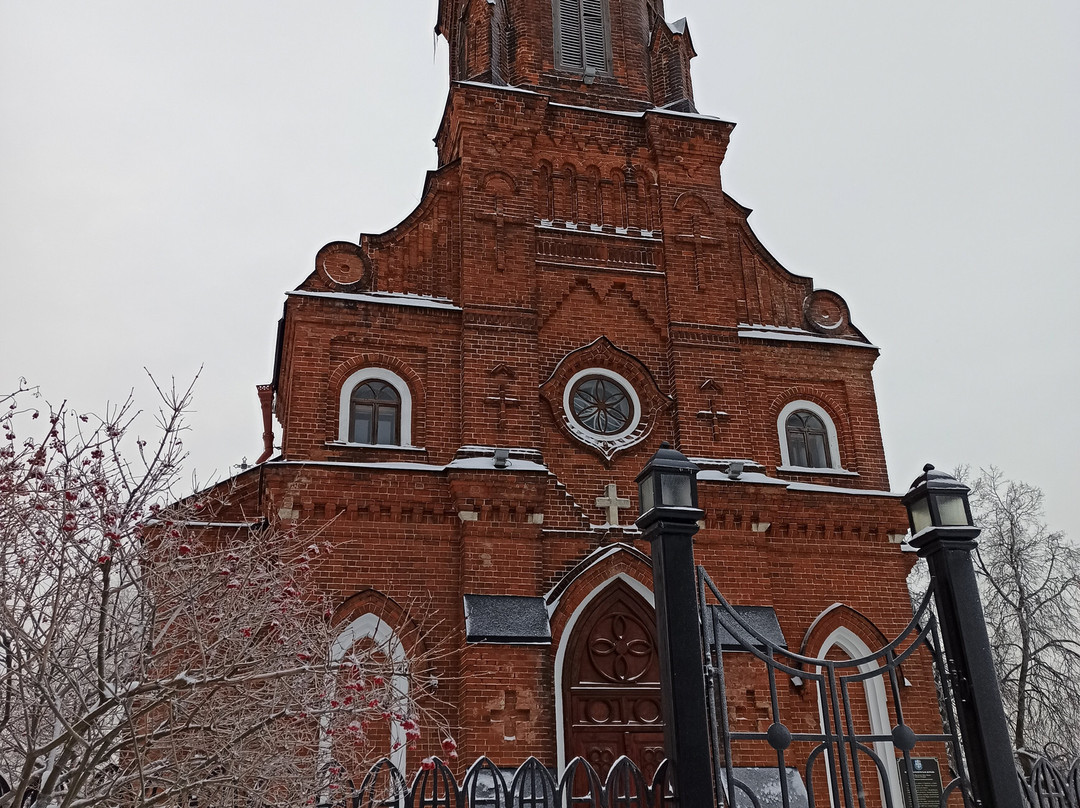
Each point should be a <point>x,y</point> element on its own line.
<point>611,683</point>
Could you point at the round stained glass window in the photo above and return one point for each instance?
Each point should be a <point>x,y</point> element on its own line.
<point>601,405</point>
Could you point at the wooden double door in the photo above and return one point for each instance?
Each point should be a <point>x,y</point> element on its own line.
<point>611,683</point>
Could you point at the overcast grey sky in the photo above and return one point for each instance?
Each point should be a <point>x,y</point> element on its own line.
<point>168,170</point>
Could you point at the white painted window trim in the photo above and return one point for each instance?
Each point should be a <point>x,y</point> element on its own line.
<point>564,640</point>
<point>830,429</point>
<point>877,706</point>
<point>371,626</point>
<point>344,406</point>
<point>587,435</point>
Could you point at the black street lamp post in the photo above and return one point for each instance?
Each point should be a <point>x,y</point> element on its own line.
<point>667,492</point>
<point>944,534</point>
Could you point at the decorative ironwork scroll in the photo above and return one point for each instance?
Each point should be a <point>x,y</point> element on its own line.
<point>1052,784</point>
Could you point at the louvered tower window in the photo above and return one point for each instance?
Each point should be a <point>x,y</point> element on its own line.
<point>582,42</point>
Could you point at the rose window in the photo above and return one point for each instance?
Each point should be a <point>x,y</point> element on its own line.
<point>601,405</point>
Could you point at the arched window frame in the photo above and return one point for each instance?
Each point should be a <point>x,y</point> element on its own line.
<point>578,8</point>
<point>830,430</point>
<point>345,405</point>
<point>877,703</point>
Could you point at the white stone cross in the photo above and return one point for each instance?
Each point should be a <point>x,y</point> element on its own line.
<point>612,504</point>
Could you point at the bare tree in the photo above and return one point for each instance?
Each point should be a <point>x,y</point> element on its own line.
<point>1030,579</point>
<point>150,656</point>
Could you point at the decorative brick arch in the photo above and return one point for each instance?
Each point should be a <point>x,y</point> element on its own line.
<point>499,182</point>
<point>372,601</point>
<point>846,457</point>
<point>590,573</point>
<point>340,374</point>
<point>840,614</point>
<point>689,200</point>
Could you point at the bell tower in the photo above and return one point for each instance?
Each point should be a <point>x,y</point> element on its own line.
<point>603,54</point>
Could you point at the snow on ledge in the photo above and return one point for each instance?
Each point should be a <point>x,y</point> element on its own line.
<point>488,86</point>
<point>512,464</point>
<point>386,299</point>
<point>343,444</point>
<point>754,477</point>
<point>787,334</point>
<point>624,113</point>
<point>386,466</point>
<point>470,463</point>
<point>831,489</point>
<point>837,472</point>
<point>192,523</point>
<point>712,475</point>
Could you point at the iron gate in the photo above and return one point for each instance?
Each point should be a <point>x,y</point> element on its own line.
<point>848,757</point>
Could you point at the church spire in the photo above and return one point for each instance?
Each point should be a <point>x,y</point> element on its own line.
<point>607,54</point>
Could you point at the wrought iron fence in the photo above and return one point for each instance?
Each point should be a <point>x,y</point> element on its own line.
<point>842,761</point>
<point>485,785</point>
<point>532,785</point>
<point>1052,784</point>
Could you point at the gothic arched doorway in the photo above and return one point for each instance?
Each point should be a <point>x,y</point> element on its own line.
<point>611,683</point>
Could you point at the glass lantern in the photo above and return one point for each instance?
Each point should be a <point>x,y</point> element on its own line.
<point>937,499</point>
<point>668,480</point>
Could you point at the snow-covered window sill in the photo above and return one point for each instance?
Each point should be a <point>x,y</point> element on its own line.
<point>390,447</point>
<point>807,470</point>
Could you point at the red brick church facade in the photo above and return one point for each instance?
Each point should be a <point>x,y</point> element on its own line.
<point>576,287</point>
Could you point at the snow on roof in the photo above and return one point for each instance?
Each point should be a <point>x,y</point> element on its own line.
<point>506,619</point>
<point>489,86</point>
<point>630,114</point>
<point>796,335</point>
<point>386,299</point>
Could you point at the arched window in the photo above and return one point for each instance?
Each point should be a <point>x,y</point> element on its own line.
<point>375,409</point>
<point>375,414</point>
<point>807,438</point>
<point>582,36</point>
